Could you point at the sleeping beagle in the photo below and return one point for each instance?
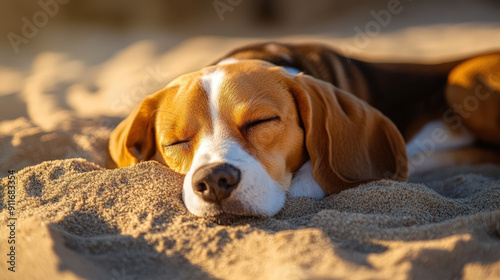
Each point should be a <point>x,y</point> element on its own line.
<point>272,120</point>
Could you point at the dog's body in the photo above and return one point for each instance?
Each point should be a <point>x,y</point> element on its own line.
<point>250,129</point>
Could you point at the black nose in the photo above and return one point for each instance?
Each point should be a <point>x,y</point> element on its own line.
<point>215,182</point>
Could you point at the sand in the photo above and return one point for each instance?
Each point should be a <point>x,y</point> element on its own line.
<point>60,98</point>
<point>76,219</point>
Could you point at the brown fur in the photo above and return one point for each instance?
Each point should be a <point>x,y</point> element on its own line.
<point>348,116</point>
<point>340,133</point>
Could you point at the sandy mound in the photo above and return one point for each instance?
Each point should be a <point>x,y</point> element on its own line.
<point>76,219</point>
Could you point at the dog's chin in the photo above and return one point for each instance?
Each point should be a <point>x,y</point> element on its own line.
<point>235,212</point>
<point>236,209</point>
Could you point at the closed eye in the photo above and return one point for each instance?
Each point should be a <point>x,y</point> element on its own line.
<point>255,123</point>
<point>182,143</point>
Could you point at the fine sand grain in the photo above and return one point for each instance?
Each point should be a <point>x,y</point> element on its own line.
<point>76,220</point>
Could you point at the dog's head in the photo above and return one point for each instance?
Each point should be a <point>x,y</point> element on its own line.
<point>240,131</point>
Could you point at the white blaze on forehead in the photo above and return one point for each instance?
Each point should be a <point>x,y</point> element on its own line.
<point>212,83</point>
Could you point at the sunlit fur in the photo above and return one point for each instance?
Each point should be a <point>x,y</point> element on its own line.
<point>288,134</point>
<point>267,154</point>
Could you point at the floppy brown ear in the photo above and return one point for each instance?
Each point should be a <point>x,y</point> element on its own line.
<point>349,142</point>
<point>133,139</point>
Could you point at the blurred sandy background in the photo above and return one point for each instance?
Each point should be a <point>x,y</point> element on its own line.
<point>70,70</point>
